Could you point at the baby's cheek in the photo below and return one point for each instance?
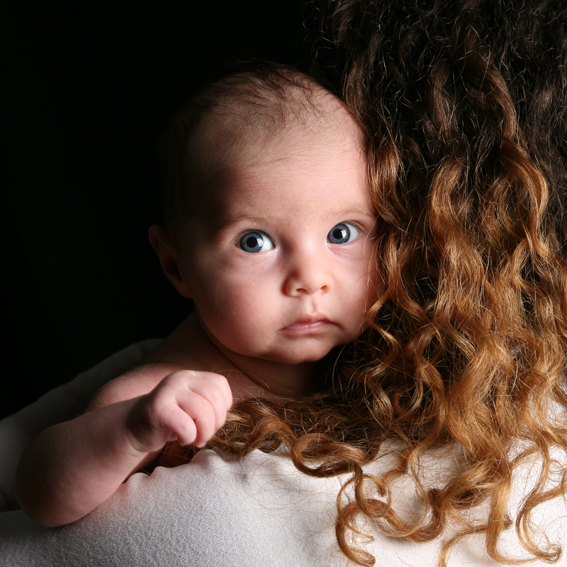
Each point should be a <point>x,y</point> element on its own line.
<point>234,309</point>
<point>363,290</point>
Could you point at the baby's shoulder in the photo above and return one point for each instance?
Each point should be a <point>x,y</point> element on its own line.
<point>138,381</point>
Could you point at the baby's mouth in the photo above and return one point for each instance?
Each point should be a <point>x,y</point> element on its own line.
<point>308,325</point>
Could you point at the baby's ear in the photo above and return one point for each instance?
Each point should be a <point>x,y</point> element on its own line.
<point>167,254</point>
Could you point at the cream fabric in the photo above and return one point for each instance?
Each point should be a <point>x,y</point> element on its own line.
<point>221,511</point>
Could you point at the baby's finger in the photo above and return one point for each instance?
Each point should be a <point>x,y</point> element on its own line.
<point>202,413</point>
<point>215,389</point>
<point>181,424</point>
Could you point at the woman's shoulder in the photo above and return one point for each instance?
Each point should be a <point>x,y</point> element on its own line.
<point>256,510</point>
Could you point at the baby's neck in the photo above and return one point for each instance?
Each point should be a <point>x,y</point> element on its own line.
<point>191,347</point>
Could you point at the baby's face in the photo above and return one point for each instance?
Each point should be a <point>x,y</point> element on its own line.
<point>276,257</point>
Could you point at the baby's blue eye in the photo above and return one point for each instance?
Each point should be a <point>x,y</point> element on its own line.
<point>255,241</point>
<point>343,233</point>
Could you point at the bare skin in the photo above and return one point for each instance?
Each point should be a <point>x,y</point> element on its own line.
<point>136,414</point>
<point>276,260</point>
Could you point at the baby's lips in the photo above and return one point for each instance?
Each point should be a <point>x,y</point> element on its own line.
<point>310,318</point>
<point>308,323</point>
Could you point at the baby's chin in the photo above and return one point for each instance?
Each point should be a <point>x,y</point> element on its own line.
<point>306,356</point>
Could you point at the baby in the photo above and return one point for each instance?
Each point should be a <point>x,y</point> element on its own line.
<point>269,228</point>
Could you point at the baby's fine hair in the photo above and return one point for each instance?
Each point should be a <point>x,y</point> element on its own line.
<point>246,97</point>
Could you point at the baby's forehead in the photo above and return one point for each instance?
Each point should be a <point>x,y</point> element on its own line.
<point>248,179</point>
<point>232,139</point>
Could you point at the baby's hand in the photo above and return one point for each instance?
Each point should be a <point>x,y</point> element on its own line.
<point>186,406</point>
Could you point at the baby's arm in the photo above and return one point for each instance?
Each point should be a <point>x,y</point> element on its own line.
<point>71,468</point>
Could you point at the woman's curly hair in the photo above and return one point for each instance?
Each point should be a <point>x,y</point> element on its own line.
<point>464,104</point>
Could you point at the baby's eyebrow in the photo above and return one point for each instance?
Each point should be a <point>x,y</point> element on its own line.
<point>356,211</point>
<point>226,220</point>
<point>231,220</point>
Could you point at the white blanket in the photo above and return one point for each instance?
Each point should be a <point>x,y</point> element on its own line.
<point>221,511</point>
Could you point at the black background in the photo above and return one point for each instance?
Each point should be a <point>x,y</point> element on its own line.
<point>85,90</point>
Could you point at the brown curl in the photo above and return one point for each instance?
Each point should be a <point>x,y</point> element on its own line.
<point>463,103</point>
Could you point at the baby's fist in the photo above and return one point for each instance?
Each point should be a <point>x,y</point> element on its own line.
<point>187,406</point>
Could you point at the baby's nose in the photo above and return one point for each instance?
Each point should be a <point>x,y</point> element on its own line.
<point>308,274</point>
